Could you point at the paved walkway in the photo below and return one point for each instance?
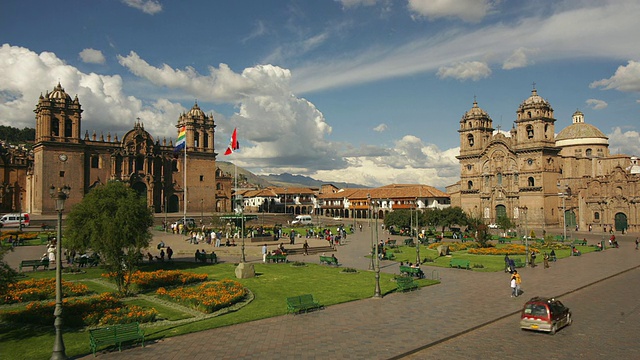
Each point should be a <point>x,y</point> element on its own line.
<point>384,328</point>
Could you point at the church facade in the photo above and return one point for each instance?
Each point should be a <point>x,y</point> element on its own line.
<point>61,156</point>
<point>540,179</point>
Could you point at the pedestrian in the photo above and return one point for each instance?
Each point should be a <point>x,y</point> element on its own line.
<point>518,280</point>
<point>305,247</point>
<point>545,258</point>
<point>637,242</point>
<point>169,253</point>
<point>264,253</point>
<point>512,283</point>
<point>533,259</point>
<point>162,255</point>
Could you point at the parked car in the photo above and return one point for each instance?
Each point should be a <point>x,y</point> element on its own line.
<point>191,222</point>
<point>493,226</point>
<point>544,314</point>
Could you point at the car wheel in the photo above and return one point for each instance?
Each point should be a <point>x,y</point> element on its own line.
<point>554,328</point>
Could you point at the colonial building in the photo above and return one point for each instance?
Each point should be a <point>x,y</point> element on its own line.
<point>534,177</point>
<point>62,156</point>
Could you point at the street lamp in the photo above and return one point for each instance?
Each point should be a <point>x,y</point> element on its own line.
<point>526,238</point>
<point>201,211</point>
<point>564,215</point>
<point>60,195</point>
<point>369,211</point>
<point>239,211</point>
<point>377,293</point>
<point>417,240</point>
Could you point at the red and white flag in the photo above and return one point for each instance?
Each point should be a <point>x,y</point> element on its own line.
<point>233,144</point>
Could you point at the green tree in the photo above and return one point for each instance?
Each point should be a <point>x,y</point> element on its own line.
<point>7,274</point>
<point>113,221</point>
<point>504,223</point>
<point>452,216</point>
<point>399,219</point>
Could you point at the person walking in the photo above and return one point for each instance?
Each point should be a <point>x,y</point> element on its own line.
<point>169,253</point>
<point>305,247</point>
<point>545,258</point>
<point>512,283</point>
<point>518,280</point>
<point>637,242</point>
<point>264,253</point>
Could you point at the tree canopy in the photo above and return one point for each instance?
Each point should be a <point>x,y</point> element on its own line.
<point>113,221</point>
<point>7,274</point>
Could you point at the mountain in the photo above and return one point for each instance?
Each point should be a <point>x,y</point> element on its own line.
<point>282,180</point>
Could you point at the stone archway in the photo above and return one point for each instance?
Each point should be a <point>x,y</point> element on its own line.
<point>621,222</point>
<point>174,204</point>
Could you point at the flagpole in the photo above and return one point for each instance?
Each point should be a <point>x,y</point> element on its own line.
<point>184,221</point>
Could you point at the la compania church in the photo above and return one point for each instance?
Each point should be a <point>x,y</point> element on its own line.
<point>533,176</point>
<point>62,156</point>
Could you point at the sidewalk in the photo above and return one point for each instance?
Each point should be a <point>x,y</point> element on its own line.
<point>394,325</point>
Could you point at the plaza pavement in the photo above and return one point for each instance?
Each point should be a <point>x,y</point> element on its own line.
<point>392,327</point>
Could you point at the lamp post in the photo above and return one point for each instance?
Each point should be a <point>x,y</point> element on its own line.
<point>377,293</point>
<point>417,240</point>
<point>564,215</point>
<point>60,195</point>
<point>526,238</point>
<point>240,211</point>
<point>166,226</point>
<point>285,202</point>
<point>201,211</point>
<point>369,211</point>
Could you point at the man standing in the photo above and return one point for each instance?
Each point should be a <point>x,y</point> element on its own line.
<point>264,253</point>
<point>637,242</point>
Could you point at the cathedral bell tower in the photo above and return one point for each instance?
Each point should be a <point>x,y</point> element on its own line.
<point>535,123</point>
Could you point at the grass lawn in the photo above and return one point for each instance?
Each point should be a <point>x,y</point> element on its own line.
<point>272,285</point>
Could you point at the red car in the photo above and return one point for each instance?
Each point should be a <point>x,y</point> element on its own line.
<point>544,314</point>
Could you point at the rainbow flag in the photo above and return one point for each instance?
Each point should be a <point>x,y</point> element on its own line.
<point>182,139</point>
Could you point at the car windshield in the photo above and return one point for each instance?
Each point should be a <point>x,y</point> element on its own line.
<point>535,310</point>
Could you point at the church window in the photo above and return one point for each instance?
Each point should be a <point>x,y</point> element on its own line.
<point>218,186</point>
<point>529,114</point>
<point>499,178</point>
<point>61,173</point>
<point>469,167</point>
<point>470,139</point>
<point>55,127</point>
<point>95,161</point>
<point>529,132</point>
<point>67,128</point>
<point>206,141</point>
<point>174,165</point>
<point>196,139</point>
<point>469,184</point>
<point>531,181</point>
<point>596,215</point>
<point>530,161</point>
<point>546,128</point>
<point>588,152</point>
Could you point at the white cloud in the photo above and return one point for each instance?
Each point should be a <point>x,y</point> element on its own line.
<point>150,7</point>
<point>626,78</point>
<point>584,29</point>
<point>518,59</point>
<point>627,142</point>
<point>467,10</point>
<point>92,56</point>
<point>259,31</point>
<point>356,3</point>
<point>380,128</point>
<point>597,104</point>
<point>472,70</point>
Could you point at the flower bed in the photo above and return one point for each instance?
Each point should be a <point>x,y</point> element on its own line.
<point>511,249</point>
<point>99,310</point>
<point>42,289</point>
<point>162,278</point>
<point>455,246</point>
<point>207,297</point>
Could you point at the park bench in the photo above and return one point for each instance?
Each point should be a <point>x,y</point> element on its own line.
<point>302,303</point>
<point>276,258</point>
<point>388,256</point>
<point>405,283</point>
<point>411,271</point>
<point>329,260</point>
<point>465,239</point>
<point>210,256</point>
<point>460,263</point>
<point>115,335</point>
<point>392,243</point>
<point>580,242</point>
<point>539,241</point>
<point>504,240</point>
<point>409,242</point>
<point>34,264</point>
<point>559,238</point>
<point>518,263</point>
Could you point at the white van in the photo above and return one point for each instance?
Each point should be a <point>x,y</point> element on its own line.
<point>15,220</point>
<point>302,220</point>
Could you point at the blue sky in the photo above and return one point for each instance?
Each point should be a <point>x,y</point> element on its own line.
<point>364,91</point>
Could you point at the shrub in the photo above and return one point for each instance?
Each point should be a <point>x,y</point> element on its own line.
<point>41,289</point>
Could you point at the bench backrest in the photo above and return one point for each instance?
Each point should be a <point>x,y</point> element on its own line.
<point>409,269</point>
<point>306,299</point>
<point>127,329</point>
<point>103,333</point>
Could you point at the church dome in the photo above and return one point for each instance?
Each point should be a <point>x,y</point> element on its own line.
<point>59,93</point>
<point>580,133</point>
<point>534,100</point>
<point>195,111</point>
<point>475,113</point>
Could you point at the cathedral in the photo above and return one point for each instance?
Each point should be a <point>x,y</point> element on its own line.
<point>539,179</point>
<point>61,156</point>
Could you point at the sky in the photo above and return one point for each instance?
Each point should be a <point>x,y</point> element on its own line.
<point>363,91</point>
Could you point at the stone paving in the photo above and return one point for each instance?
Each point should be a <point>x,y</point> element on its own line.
<point>391,327</point>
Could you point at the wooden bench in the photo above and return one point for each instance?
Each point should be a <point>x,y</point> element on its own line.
<point>35,264</point>
<point>302,303</point>
<point>580,242</point>
<point>411,271</point>
<point>276,258</point>
<point>115,335</point>
<point>405,283</point>
<point>210,256</point>
<point>329,260</point>
<point>460,263</point>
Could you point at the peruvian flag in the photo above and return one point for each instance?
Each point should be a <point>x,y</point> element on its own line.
<point>234,144</point>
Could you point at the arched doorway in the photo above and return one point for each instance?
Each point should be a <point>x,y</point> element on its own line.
<point>570,218</point>
<point>174,204</point>
<point>501,211</point>
<point>140,188</point>
<point>621,222</point>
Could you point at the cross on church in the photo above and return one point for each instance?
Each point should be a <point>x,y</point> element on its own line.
<point>534,85</point>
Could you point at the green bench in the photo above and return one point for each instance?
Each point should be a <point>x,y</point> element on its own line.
<point>580,242</point>
<point>329,260</point>
<point>35,264</point>
<point>392,243</point>
<point>504,241</point>
<point>411,271</point>
<point>559,238</point>
<point>518,263</point>
<point>409,242</point>
<point>389,256</point>
<point>276,258</point>
<point>302,303</point>
<point>115,335</point>
<point>460,263</point>
<point>210,256</point>
<point>405,283</point>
